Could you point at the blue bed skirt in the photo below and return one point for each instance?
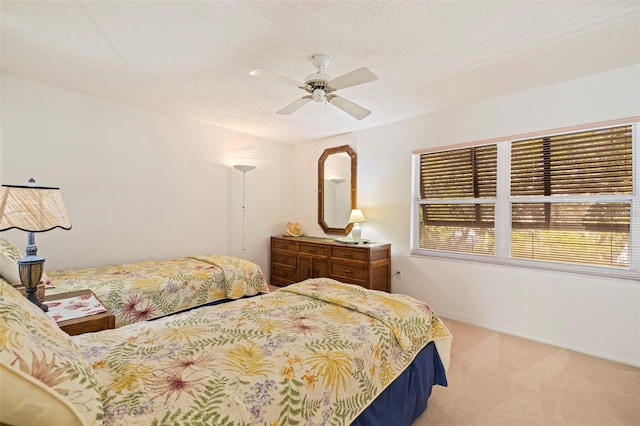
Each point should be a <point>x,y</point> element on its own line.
<point>404,400</point>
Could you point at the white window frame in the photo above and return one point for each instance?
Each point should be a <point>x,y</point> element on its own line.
<point>503,202</point>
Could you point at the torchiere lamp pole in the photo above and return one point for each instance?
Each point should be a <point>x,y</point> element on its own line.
<point>244,168</point>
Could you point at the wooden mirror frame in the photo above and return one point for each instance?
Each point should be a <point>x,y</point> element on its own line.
<point>354,179</point>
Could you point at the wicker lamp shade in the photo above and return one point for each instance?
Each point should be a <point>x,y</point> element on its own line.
<point>32,209</point>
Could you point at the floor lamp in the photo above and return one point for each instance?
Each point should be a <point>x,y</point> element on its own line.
<point>244,168</point>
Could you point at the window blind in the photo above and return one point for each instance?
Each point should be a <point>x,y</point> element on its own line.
<point>591,163</point>
<point>585,163</point>
<point>466,175</point>
<point>459,173</point>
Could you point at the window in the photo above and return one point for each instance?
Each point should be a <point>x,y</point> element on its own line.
<point>459,190</point>
<point>566,201</point>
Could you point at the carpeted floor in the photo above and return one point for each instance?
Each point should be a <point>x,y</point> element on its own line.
<point>498,379</point>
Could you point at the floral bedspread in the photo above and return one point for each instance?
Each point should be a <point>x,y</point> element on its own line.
<point>316,352</point>
<point>151,289</point>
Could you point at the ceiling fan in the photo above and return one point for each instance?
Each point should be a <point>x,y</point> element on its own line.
<point>320,87</point>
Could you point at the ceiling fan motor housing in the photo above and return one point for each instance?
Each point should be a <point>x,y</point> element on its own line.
<point>317,79</point>
<point>317,84</point>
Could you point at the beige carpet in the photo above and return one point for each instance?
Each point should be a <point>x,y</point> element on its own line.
<point>498,379</point>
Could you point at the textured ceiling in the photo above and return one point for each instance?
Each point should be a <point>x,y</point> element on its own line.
<point>192,59</point>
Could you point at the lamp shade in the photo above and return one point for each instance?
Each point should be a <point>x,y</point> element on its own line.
<point>356,216</point>
<point>244,167</point>
<point>32,208</point>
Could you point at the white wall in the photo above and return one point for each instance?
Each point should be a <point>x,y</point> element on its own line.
<point>596,315</point>
<point>139,184</point>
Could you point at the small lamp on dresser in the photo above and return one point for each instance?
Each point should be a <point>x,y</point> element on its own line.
<point>32,209</point>
<point>356,218</point>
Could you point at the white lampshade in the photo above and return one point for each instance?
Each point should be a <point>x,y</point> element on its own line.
<point>244,167</point>
<point>356,216</point>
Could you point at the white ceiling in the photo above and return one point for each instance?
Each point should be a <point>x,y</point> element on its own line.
<point>192,59</point>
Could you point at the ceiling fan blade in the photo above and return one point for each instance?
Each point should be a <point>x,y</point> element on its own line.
<point>294,106</point>
<point>349,107</point>
<point>270,75</point>
<point>353,78</point>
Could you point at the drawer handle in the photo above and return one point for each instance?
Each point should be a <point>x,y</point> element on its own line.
<point>283,259</point>
<point>312,251</point>
<point>347,271</point>
<point>348,255</point>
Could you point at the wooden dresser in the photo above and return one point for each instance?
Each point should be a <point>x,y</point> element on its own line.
<point>295,259</point>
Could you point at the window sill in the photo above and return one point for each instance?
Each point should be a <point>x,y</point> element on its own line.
<point>625,274</point>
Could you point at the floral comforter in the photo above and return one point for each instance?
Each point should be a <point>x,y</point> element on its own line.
<point>147,290</point>
<point>316,352</point>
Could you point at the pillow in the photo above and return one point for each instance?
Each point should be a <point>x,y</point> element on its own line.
<point>33,344</point>
<point>45,279</point>
<point>26,400</point>
<point>9,255</point>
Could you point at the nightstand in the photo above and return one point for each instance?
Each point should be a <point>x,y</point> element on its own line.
<point>88,324</point>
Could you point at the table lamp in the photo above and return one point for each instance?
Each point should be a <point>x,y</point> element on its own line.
<point>32,209</point>
<point>356,217</point>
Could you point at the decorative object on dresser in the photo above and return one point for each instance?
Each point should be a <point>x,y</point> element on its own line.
<point>296,259</point>
<point>79,312</point>
<point>32,209</point>
<point>244,168</point>
<point>356,218</point>
<point>294,229</point>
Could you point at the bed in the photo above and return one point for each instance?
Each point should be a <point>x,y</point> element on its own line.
<point>151,289</point>
<point>316,352</point>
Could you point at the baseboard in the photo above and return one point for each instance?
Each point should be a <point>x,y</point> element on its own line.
<point>561,343</point>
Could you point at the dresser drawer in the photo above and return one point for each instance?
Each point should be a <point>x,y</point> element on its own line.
<point>283,245</point>
<point>282,273</point>
<point>313,249</point>
<point>349,253</point>
<point>281,258</point>
<point>347,270</point>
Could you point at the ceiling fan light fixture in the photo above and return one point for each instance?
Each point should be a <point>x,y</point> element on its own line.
<point>318,95</point>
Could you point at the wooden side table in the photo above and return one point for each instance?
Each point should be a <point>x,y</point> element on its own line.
<point>89,324</point>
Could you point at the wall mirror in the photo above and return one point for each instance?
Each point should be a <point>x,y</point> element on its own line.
<point>337,183</point>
